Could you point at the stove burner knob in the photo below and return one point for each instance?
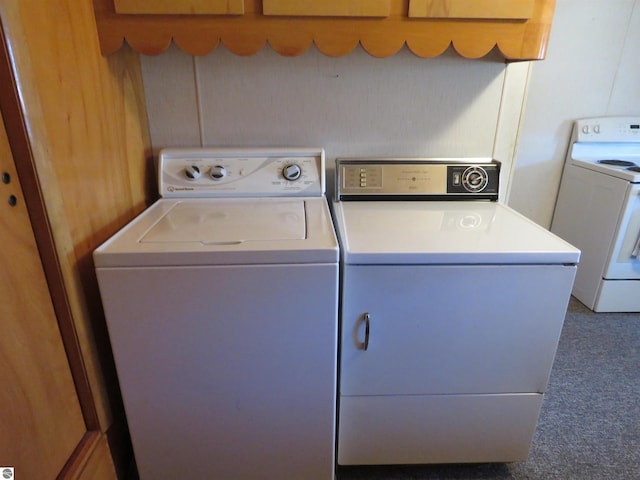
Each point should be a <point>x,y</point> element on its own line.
<point>192,172</point>
<point>292,172</point>
<point>475,179</point>
<point>218,172</point>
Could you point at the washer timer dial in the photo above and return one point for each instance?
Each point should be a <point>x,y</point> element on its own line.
<point>292,172</point>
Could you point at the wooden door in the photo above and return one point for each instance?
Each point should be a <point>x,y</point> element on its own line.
<point>41,422</point>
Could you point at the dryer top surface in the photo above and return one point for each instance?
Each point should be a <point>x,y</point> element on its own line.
<point>465,232</point>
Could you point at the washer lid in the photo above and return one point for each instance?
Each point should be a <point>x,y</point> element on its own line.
<point>229,222</point>
<point>224,231</point>
<point>444,233</point>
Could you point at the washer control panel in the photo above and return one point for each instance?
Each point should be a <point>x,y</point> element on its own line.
<point>226,172</point>
<point>435,179</point>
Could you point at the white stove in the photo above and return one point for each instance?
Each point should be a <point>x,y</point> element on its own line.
<point>598,210</point>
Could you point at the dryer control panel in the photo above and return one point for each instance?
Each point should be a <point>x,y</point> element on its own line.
<point>423,179</point>
<point>228,172</point>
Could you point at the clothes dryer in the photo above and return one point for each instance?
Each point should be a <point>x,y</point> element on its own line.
<point>452,306</point>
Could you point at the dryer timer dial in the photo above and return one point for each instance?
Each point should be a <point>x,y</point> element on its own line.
<point>475,179</point>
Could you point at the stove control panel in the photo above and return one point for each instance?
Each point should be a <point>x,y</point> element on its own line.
<point>607,129</point>
<point>425,179</point>
<point>227,172</point>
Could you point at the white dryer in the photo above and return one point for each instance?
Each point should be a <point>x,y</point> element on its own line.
<point>450,315</point>
<point>221,305</point>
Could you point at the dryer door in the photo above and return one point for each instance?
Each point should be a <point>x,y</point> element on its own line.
<point>445,329</point>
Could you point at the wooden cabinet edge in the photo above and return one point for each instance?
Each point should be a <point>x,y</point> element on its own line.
<point>337,8</point>
<point>179,7</point>
<point>472,9</point>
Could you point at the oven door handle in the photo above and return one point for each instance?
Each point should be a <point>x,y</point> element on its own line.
<point>636,250</point>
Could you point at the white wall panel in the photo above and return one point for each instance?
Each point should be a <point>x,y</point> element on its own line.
<point>625,98</point>
<point>576,80</point>
<point>351,105</point>
<point>511,112</point>
<point>172,99</point>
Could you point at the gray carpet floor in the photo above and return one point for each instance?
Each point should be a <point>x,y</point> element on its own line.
<point>589,426</point>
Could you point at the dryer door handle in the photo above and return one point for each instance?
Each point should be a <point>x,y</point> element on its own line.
<point>367,331</point>
<point>356,333</point>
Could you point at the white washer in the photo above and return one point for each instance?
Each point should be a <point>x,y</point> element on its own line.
<point>451,312</point>
<point>221,306</point>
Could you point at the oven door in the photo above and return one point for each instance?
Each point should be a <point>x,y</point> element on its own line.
<point>624,262</point>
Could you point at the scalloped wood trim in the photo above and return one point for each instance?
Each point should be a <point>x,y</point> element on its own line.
<point>249,33</point>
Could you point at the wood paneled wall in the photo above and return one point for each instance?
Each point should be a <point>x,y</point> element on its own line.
<point>88,133</point>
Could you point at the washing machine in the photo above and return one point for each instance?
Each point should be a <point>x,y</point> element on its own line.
<point>221,306</point>
<point>452,305</point>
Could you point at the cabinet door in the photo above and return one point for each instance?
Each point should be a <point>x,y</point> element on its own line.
<point>451,329</point>
<point>336,8</point>
<point>40,417</point>
<point>217,7</point>
<point>485,9</point>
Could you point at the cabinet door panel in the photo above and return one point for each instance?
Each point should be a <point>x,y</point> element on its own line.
<point>451,329</point>
<point>217,7</point>
<point>436,428</point>
<point>486,9</point>
<point>338,8</point>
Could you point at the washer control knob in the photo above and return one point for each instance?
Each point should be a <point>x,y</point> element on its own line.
<point>192,172</point>
<point>475,179</point>
<point>292,172</point>
<point>218,172</point>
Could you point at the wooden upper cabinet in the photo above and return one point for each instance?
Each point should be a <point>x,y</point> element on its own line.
<point>489,9</point>
<point>180,7</point>
<point>335,8</point>
<point>518,29</point>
